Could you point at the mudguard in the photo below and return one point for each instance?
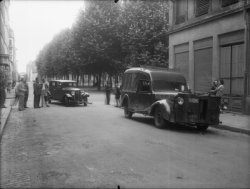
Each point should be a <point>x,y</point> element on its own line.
<point>68,95</point>
<point>84,95</point>
<point>165,107</point>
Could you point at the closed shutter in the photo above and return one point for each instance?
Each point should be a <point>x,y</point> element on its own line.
<point>202,7</point>
<point>182,59</point>
<point>225,67</point>
<point>181,64</point>
<point>203,58</point>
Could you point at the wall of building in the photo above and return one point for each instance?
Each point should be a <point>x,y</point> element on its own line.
<point>213,29</point>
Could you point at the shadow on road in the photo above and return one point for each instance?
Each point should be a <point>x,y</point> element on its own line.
<point>172,127</point>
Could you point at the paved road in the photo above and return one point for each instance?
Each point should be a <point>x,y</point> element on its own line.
<point>95,146</point>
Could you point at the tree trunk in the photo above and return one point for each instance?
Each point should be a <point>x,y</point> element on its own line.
<point>99,82</point>
<point>77,79</point>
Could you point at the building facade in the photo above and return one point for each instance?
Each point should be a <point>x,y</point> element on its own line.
<point>209,40</point>
<point>7,43</point>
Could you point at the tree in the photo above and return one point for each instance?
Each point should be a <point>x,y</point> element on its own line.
<point>107,37</point>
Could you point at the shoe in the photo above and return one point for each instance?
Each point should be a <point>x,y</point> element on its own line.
<point>47,105</point>
<point>26,107</point>
<point>3,106</point>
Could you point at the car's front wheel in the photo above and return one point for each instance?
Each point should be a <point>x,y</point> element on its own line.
<point>66,101</point>
<point>160,122</point>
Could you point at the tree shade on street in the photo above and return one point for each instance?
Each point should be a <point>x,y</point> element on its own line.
<point>106,38</point>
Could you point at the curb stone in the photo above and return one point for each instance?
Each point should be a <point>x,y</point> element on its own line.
<point>233,129</point>
<point>3,124</point>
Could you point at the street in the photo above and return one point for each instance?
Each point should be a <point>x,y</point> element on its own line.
<point>96,146</point>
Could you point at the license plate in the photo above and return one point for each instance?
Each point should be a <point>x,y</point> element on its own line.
<point>194,100</point>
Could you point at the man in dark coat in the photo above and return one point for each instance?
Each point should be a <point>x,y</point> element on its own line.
<point>26,94</point>
<point>108,90</point>
<point>37,93</point>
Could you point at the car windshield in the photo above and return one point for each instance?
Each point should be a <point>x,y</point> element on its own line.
<point>163,85</point>
<point>69,84</point>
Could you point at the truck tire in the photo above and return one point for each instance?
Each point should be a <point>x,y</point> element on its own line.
<point>202,127</point>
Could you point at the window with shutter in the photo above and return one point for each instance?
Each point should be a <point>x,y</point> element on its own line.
<point>202,7</point>
<point>180,11</point>
<point>225,3</point>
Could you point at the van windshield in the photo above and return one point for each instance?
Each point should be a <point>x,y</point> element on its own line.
<point>163,85</point>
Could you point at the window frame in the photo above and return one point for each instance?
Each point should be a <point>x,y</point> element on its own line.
<point>208,11</point>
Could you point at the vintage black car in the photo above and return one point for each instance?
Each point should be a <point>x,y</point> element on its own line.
<point>164,94</point>
<point>67,92</point>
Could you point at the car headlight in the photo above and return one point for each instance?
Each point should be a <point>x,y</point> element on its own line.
<point>180,100</point>
<point>72,92</point>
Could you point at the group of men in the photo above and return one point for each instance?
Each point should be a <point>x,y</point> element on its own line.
<point>40,92</point>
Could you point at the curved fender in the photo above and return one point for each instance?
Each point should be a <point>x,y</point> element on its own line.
<point>68,95</point>
<point>164,107</point>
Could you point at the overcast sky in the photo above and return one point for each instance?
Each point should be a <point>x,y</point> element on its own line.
<point>36,22</point>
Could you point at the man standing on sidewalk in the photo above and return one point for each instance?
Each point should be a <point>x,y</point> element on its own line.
<point>37,93</point>
<point>20,92</point>
<point>26,94</point>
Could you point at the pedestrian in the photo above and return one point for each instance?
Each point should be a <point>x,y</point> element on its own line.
<point>21,92</point>
<point>108,90</point>
<point>44,93</point>
<point>26,94</point>
<point>117,96</point>
<point>213,88</point>
<point>16,98</point>
<point>37,93</point>
<point>9,87</point>
<point>220,92</point>
<point>220,88</point>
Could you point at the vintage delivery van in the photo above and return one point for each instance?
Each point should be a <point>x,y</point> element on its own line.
<point>164,95</point>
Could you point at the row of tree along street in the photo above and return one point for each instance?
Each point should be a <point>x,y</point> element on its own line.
<point>106,38</point>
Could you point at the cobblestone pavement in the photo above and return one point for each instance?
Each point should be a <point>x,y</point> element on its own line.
<point>95,146</point>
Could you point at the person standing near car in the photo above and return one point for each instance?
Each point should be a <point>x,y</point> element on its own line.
<point>21,92</point>
<point>26,94</point>
<point>44,93</point>
<point>108,91</point>
<point>37,93</point>
<point>117,96</point>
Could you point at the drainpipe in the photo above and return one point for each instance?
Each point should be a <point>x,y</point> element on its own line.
<point>247,59</point>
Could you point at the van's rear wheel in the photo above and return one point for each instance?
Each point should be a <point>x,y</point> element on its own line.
<point>202,127</point>
<point>127,113</point>
<point>160,122</point>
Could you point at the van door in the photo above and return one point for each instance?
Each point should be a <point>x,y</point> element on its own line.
<point>144,95</point>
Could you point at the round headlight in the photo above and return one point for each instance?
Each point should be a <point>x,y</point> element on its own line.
<point>72,92</point>
<point>180,100</point>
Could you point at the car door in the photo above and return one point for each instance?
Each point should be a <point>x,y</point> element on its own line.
<point>58,90</point>
<point>52,85</point>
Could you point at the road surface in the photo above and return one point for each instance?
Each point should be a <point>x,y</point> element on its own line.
<point>95,146</point>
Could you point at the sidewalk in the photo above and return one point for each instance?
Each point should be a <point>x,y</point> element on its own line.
<point>5,112</point>
<point>235,122</point>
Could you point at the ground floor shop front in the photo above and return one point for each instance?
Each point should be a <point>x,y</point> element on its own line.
<point>215,50</point>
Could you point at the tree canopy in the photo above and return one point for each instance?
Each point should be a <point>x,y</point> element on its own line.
<point>107,37</point>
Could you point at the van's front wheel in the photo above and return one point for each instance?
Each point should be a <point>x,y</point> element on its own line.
<point>160,122</point>
<point>202,127</point>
